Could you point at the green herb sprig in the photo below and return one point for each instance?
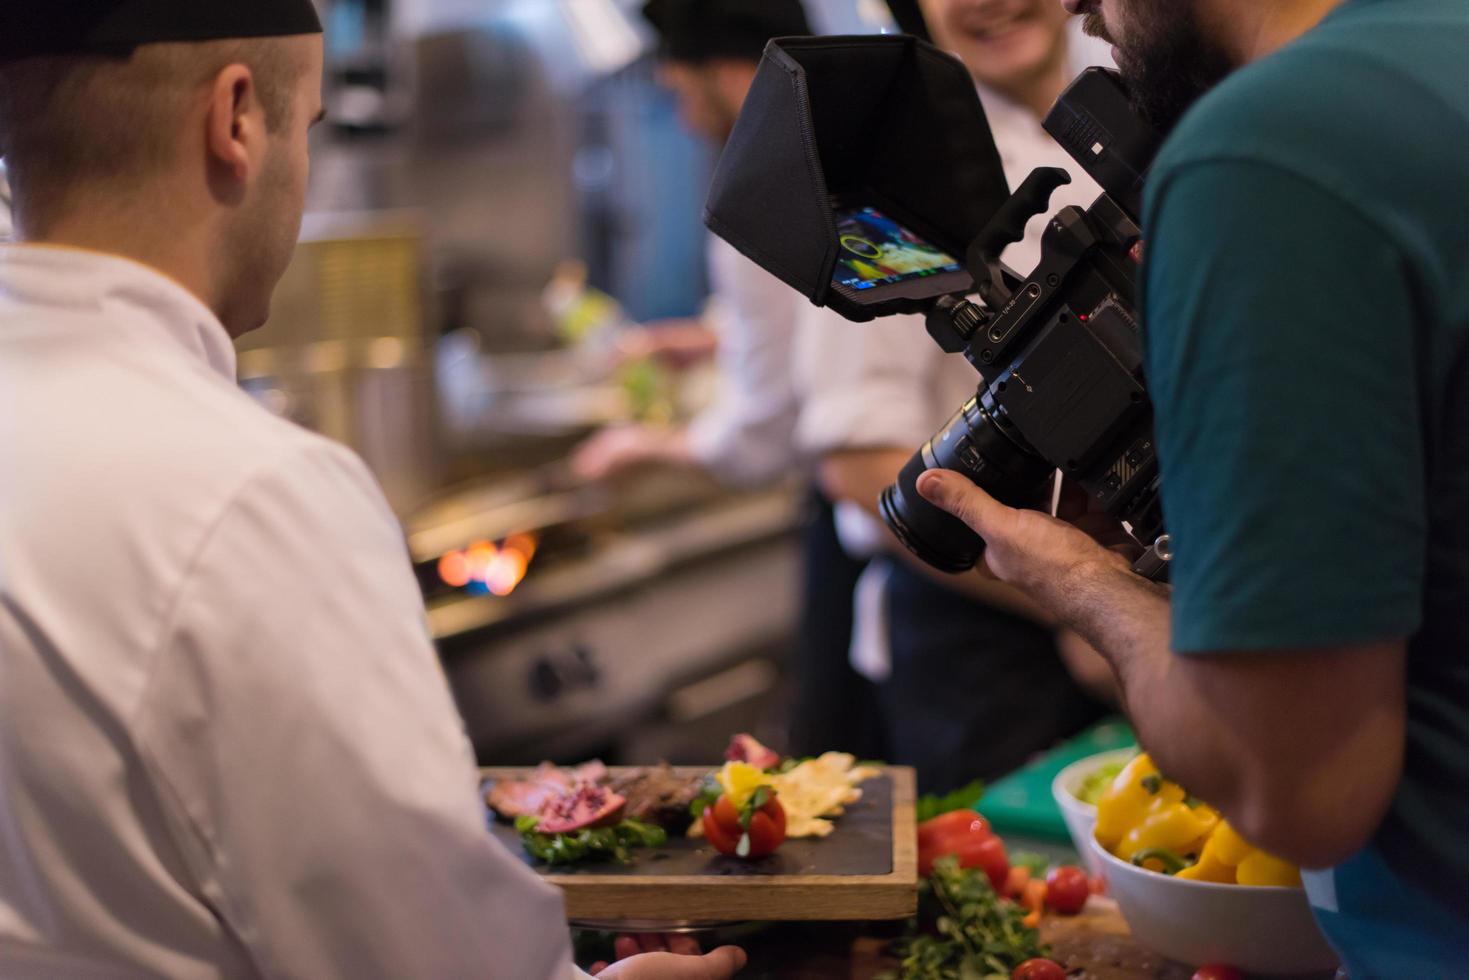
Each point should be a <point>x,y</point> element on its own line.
<point>960,799</point>
<point>591,844</point>
<point>977,936</point>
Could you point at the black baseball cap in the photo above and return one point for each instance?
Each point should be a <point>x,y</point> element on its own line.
<point>701,30</point>
<point>117,27</point>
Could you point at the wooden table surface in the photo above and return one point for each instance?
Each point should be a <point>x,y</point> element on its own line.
<point>1095,945</point>
<point>805,880</point>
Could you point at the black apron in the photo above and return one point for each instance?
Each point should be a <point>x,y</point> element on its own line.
<point>975,691</point>
<point>835,708</point>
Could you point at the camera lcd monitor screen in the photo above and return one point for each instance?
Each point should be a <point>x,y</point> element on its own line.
<point>877,251</point>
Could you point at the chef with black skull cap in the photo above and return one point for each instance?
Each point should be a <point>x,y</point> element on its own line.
<point>226,747</point>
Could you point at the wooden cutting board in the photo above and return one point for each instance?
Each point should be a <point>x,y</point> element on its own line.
<point>866,870</point>
<point>1097,945</point>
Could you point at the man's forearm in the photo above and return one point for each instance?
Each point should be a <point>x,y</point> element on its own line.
<point>1245,730</point>
<point>1302,748</point>
<point>1126,619</point>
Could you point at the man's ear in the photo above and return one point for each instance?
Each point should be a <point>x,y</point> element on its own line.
<point>235,124</point>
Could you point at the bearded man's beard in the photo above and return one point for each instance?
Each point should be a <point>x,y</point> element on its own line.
<point>1166,58</point>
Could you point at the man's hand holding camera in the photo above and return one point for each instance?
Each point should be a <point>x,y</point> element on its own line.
<point>1047,557</point>
<point>1078,569</point>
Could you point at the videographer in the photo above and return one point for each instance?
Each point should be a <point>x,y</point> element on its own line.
<point>1307,332</point>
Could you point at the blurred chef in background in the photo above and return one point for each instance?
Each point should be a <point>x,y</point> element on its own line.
<point>873,393</point>
<point>227,748</point>
<point>710,51</point>
<point>5,226</point>
<point>708,54</point>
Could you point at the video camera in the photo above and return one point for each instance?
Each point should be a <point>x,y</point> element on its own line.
<point>861,168</point>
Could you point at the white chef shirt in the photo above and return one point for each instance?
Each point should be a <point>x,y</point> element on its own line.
<point>886,384</point>
<point>226,746</point>
<point>746,435</point>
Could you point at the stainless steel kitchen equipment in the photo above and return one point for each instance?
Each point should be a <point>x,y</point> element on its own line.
<point>642,624</point>
<point>344,352</point>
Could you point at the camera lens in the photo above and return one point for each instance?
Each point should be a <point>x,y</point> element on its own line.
<point>975,444</point>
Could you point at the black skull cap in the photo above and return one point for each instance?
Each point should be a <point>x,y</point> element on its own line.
<point>702,30</point>
<point>31,28</point>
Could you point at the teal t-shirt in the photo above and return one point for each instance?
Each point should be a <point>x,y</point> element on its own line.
<point>1306,301</point>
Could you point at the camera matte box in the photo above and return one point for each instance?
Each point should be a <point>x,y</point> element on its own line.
<point>887,121</point>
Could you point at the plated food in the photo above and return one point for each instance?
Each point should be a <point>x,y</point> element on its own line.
<point>745,809</point>
<point>746,819</point>
<point>658,795</point>
<point>512,799</point>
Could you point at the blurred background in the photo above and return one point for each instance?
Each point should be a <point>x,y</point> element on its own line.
<point>504,195</point>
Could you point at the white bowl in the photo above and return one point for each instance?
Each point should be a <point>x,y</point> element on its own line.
<point>1253,928</point>
<point>1082,817</point>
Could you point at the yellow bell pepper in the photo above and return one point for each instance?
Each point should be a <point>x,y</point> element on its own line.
<point>1127,800</point>
<point>1259,868</point>
<point>1229,845</point>
<point>1142,812</point>
<point>1218,860</point>
<point>1175,827</point>
<point>1144,818</point>
<point>1229,859</point>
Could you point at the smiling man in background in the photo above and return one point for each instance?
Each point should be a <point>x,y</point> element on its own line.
<point>226,746</point>
<point>1307,333</point>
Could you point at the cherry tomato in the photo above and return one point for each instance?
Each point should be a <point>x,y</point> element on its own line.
<point>1039,969</point>
<point>767,830</point>
<point>1217,971</point>
<point>1097,884</point>
<point>728,816</point>
<point>715,833</point>
<point>765,834</point>
<point>1066,889</point>
<point>777,813</point>
<point>987,854</point>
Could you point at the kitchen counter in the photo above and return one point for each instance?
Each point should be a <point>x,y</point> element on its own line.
<point>1096,945</point>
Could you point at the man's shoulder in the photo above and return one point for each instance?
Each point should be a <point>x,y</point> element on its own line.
<point>157,449</point>
<point>1341,104</point>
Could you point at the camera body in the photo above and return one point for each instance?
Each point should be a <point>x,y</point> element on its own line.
<point>1061,363</point>
<point>1058,351</point>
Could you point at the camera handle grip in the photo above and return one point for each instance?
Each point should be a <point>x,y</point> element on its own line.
<point>1154,563</point>
<point>1008,227</point>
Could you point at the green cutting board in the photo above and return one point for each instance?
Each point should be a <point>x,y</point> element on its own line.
<point>1021,803</point>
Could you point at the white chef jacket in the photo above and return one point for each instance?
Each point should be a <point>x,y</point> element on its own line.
<point>746,435</point>
<point>226,746</point>
<point>886,384</point>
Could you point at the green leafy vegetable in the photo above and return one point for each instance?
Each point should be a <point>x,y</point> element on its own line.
<point>976,935</point>
<point>591,844</point>
<point>761,796</point>
<point>960,799</point>
<point>709,794</point>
